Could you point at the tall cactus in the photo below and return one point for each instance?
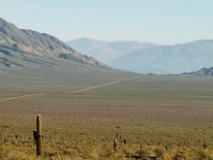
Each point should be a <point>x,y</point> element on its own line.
<point>38,135</point>
<point>115,145</point>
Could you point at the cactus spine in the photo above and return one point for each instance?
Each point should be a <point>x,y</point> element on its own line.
<point>38,135</point>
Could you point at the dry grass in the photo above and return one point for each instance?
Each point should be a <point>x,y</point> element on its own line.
<point>167,116</point>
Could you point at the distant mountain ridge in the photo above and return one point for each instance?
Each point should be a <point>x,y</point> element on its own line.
<point>148,57</point>
<point>105,51</point>
<point>202,72</point>
<point>171,59</point>
<point>41,44</point>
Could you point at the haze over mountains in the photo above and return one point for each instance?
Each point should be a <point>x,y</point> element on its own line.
<point>202,72</point>
<point>150,58</point>
<point>174,59</point>
<point>27,50</point>
<point>105,51</point>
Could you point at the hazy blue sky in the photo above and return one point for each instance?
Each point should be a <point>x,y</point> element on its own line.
<point>159,21</point>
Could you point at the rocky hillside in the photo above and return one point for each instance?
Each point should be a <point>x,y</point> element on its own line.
<point>41,44</point>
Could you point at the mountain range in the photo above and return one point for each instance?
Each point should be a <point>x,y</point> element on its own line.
<point>149,57</point>
<point>202,72</point>
<point>105,51</point>
<point>171,59</point>
<point>26,51</point>
<point>24,44</point>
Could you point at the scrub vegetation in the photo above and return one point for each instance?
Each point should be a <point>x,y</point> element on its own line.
<point>170,117</point>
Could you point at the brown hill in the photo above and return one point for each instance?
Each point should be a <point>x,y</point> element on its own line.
<point>42,44</point>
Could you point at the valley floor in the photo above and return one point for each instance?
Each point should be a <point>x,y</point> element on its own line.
<point>170,117</point>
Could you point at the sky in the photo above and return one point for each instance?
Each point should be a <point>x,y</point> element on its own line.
<point>157,21</point>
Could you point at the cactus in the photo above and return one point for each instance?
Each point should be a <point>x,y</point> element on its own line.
<point>115,145</point>
<point>124,141</point>
<point>37,135</point>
